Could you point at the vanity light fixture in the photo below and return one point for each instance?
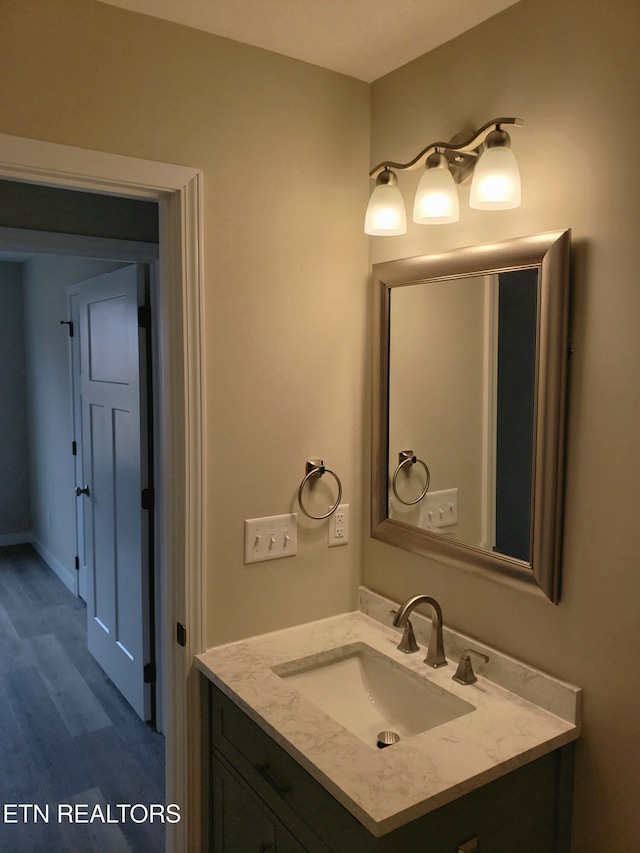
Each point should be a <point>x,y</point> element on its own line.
<point>486,155</point>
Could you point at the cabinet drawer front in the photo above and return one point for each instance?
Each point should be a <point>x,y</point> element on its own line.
<point>280,780</point>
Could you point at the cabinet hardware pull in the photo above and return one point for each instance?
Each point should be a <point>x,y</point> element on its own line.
<point>265,771</point>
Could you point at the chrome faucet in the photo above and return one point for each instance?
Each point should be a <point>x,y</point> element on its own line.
<point>435,653</point>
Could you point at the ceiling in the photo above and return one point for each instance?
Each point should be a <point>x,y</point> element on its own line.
<point>362,38</point>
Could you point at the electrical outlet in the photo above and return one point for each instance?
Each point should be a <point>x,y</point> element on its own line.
<point>270,538</point>
<point>339,526</point>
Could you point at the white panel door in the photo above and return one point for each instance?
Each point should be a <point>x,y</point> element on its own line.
<point>117,595</point>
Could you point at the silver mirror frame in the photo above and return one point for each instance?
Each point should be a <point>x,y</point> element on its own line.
<point>550,252</point>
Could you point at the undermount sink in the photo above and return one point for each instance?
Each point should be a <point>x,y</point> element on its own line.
<point>369,693</point>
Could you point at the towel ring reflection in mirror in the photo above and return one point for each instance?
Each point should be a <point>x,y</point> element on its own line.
<point>407,457</point>
<point>315,468</point>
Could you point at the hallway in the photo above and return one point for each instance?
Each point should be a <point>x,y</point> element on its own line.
<point>66,734</point>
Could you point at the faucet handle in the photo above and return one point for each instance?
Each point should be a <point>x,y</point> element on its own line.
<point>408,643</point>
<point>465,674</point>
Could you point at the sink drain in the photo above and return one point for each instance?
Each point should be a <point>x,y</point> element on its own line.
<point>387,739</point>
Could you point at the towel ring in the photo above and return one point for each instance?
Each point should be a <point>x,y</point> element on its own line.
<point>407,457</point>
<point>315,468</point>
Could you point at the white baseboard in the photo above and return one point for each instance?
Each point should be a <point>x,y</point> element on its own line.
<point>67,577</point>
<point>16,538</point>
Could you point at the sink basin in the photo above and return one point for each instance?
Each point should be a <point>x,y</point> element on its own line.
<point>369,693</point>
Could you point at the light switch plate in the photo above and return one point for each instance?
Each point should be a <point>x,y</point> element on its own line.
<point>270,538</point>
<point>440,509</point>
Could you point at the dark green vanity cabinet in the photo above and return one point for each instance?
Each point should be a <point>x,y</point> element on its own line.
<point>263,801</point>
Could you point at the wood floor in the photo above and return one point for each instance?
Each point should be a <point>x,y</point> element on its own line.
<point>66,734</point>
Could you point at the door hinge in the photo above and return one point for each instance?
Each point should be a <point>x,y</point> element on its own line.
<point>68,323</point>
<point>149,673</point>
<point>147,499</point>
<point>181,634</point>
<point>144,316</point>
<point>74,448</point>
<point>77,564</point>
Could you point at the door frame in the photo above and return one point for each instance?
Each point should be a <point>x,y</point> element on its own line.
<point>178,191</point>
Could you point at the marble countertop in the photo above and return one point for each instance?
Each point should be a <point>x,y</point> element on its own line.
<point>385,789</point>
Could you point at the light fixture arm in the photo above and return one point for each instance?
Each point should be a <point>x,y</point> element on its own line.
<point>468,147</point>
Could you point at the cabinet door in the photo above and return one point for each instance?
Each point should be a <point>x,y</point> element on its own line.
<point>239,824</point>
<point>286,843</point>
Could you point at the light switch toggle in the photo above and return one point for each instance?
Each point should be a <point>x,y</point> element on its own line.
<point>270,538</point>
<point>441,508</point>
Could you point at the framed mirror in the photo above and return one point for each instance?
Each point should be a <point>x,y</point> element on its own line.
<point>470,364</point>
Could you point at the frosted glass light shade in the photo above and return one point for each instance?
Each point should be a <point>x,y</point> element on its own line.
<point>386,216</point>
<point>436,201</point>
<point>496,181</point>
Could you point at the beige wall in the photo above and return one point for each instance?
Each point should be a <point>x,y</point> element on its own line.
<point>284,149</point>
<point>570,69</point>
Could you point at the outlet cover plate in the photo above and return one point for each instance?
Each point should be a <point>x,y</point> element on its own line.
<point>339,526</point>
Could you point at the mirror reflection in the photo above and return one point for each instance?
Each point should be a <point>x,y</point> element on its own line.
<point>462,355</point>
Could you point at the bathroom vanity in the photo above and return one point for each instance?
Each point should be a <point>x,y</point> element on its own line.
<point>293,765</point>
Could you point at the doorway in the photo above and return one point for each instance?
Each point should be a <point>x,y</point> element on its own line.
<point>51,689</point>
<point>178,191</point>
<point>97,310</point>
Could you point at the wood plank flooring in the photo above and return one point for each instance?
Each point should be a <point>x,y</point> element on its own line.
<point>66,734</point>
